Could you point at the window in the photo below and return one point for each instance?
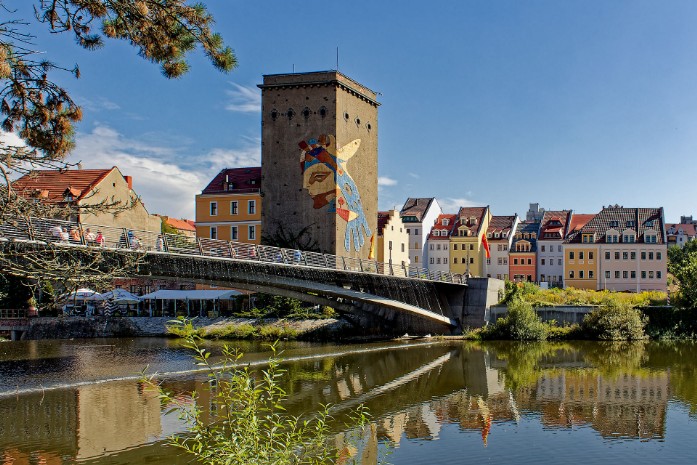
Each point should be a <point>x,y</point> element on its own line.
<point>505,261</point>
<point>580,255</point>
<point>529,261</point>
<point>515,261</point>
<point>590,274</point>
<point>471,260</point>
<point>617,275</point>
<point>607,275</point>
<point>455,260</point>
<point>234,207</point>
<point>505,246</point>
<point>252,207</point>
<point>214,208</point>
<point>432,261</point>
<point>650,255</point>
<point>416,259</point>
<point>580,274</point>
<point>658,256</point>
<point>500,261</point>
<point>571,255</point>
<point>625,255</point>
<point>402,244</point>
<point>430,247</point>
<point>133,288</point>
<point>571,274</point>
<point>543,248</point>
<point>643,255</point>
<point>632,255</point>
<point>607,255</point>
<point>437,246</point>
<point>643,275</point>
<point>559,262</point>
<point>234,234</point>
<point>438,260</point>
<point>488,261</point>
<point>625,274</point>
<point>658,274</point>
<point>214,232</point>
<point>633,274</point>
<point>252,232</point>
<point>471,246</point>
<point>416,232</point>
<point>542,262</point>
<point>408,231</point>
<point>416,245</point>
<point>617,255</point>
<point>650,274</point>
<point>499,248</point>
<point>590,255</point>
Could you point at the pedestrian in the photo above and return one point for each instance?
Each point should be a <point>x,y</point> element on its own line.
<point>74,234</point>
<point>160,243</point>
<point>100,239</point>
<point>56,232</point>
<point>65,237</point>
<point>89,236</point>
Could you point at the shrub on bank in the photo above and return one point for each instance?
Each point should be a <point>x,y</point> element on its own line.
<point>615,321</point>
<point>235,331</point>
<point>521,323</point>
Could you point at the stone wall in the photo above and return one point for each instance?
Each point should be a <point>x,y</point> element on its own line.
<point>562,314</point>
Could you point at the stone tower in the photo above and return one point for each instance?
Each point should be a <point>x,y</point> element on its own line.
<point>319,139</point>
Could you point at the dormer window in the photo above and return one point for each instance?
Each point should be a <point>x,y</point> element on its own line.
<point>631,224</point>
<point>230,186</point>
<point>587,238</point>
<point>496,235</point>
<point>649,224</point>
<point>614,223</point>
<point>445,222</point>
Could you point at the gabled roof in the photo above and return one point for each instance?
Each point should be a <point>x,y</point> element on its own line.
<point>235,181</point>
<point>383,218</point>
<point>525,228</point>
<point>687,229</point>
<point>554,224</point>
<point>469,212</point>
<point>500,224</point>
<point>617,218</point>
<point>182,225</point>
<point>53,185</point>
<point>416,207</point>
<point>578,221</point>
<point>439,226</point>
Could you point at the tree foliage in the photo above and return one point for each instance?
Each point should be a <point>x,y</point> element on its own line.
<point>615,321</point>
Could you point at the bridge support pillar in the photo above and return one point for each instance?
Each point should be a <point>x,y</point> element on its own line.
<point>16,334</point>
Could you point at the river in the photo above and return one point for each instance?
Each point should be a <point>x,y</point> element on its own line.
<point>65,402</point>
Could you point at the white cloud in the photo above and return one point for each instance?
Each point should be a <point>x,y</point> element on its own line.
<point>244,99</point>
<point>452,205</point>
<point>166,178</point>
<point>414,175</point>
<point>11,139</point>
<point>385,181</point>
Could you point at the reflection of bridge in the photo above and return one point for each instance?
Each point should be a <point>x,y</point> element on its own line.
<point>14,321</point>
<point>375,295</point>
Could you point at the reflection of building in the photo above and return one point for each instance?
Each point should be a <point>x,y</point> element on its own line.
<point>116,417</point>
<point>629,405</point>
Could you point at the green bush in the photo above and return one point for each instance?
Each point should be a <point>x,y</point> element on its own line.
<point>521,323</point>
<point>615,321</point>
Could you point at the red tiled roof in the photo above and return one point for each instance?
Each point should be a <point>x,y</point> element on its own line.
<point>235,181</point>
<point>500,224</point>
<point>687,229</point>
<point>438,226</point>
<point>182,225</point>
<point>553,225</point>
<point>616,218</point>
<point>54,184</point>
<point>468,212</point>
<point>578,221</point>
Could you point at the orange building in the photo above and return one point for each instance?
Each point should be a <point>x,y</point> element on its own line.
<point>229,208</point>
<point>522,258</point>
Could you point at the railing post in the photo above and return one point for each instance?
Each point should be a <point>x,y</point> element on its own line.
<point>256,252</point>
<point>343,260</point>
<point>126,240</point>
<point>304,257</point>
<point>230,249</point>
<point>391,269</point>
<point>360,264</point>
<point>83,241</point>
<point>326,260</point>
<point>404,268</point>
<point>200,251</point>
<point>30,228</point>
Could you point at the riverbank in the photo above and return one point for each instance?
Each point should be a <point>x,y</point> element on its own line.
<point>99,326</point>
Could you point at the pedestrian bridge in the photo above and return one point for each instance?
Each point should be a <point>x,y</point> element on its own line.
<point>383,297</point>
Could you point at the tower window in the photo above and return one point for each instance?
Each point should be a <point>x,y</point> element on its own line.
<point>290,113</point>
<point>369,126</point>
<point>323,112</point>
<point>358,121</point>
<point>274,115</point>
<point>306,113</point>
<point>346,116</point>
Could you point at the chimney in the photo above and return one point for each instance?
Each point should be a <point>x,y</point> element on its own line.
<point>129,181</point>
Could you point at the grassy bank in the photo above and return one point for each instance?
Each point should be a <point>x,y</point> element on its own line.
<point>247,331</point>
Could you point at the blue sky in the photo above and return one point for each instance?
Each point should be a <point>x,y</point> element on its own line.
<point>574,104</point>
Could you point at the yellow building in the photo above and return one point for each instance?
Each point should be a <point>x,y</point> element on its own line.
<point>580,255</point>
<point>229,208</point>
<point>467,255</point>
<point>393,240</point>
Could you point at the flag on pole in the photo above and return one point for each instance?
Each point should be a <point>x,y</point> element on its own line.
<point>371,253</point>
<point>485,244</point>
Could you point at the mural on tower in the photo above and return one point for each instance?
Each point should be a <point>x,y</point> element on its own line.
<point>330,185</point>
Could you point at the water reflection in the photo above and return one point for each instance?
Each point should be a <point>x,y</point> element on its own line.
<point>414,393</point>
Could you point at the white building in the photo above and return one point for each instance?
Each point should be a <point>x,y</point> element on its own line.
<point>438,243</point>
<point>419,215</point>
<point>681,233</point>
<point>550,249</point>
<point>499,237</point>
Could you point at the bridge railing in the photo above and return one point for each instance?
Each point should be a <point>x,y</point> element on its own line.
<point>83,234</point>
<point>13,312</point>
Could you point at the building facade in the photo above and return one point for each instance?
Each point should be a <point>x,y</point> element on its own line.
<point>419,215</point>
<point>392,242</point>
<point>229,208</point>
<point>680,233</point>
<point>319,141</point>
<point>522,258</point>
<point>467,255</point>
<point>550,255</point>
<point>619,249</point>
<point>500,237</point>
<point>438,243</point>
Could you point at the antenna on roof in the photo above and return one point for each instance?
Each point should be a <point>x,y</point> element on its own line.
<point>294,68</point>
